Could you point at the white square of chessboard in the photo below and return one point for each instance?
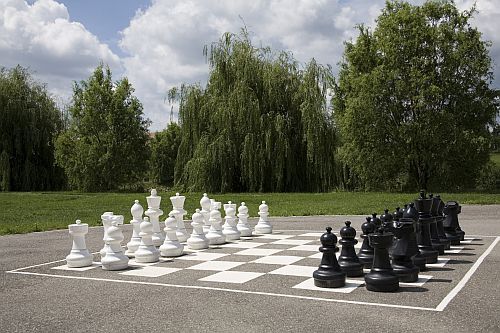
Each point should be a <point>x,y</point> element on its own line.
<point>454,249</point>
<point>278,260</point>
<point>419,283</point>
<point>242,245</point>
<point>151,271</point>
<point>77,269</point>
<point>275,236</point>
<point>258,252</point>
<point>202,256</point>
<point>350,285</point>
<point>310,248</point>
<point>319,255</point>
<point>295,270</point>
<point>232,277</point>
<point>441,262</point>
<point>292,241</point>
<point>312,234</point>
<point>216,265</point>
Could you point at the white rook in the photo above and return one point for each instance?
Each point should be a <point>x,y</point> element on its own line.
<point>79,255</point>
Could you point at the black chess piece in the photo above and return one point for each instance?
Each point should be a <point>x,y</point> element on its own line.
<point>387,220</point>
<point>450,222</point>
<point>435,236</point>
<point>459,230</point>
<point>329,274</point>
<point>398,214</point>
<point>381,276</point>
<point>348,260</point>
<point>365,254</point>
<point>423,206</point>
<point>439,223</point>
<point>411,212</point>
<point>375,220</point>
<point>404,250</point>
<point>435,241</point>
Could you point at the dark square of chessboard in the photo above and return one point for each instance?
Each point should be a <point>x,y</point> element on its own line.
<point>255,267</point>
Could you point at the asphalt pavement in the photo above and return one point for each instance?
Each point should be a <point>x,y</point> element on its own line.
<point>45,303</point>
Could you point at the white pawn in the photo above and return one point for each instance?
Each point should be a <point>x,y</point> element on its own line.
<point>135,241</point>
<point>215,235</point>
<point>229,229</point>
<point>79,255</point>
<point>154,212</point>
<point>179,212</point>
<point>242,225</point>
<point>106,219</point>
<point>263,226</point>
<point>114,259</point>
<point>197,241</point>
<point>205,204</point>
<point>147,252</point>
<point>171,246</point>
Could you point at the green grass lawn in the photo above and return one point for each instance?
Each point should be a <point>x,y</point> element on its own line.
<point>495,158</point>
<point>27,212</point>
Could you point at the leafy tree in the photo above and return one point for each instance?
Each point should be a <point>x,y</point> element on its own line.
<point>106,145</point>
<point>413,101</point>
<point>260,124</point>
<point>29,123</point>
<point>164,148</point>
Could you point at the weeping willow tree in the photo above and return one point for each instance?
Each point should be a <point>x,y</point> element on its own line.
<point>29,123</point>
<point>262,123</point>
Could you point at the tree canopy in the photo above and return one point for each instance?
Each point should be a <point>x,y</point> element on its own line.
<point>164,148</point>
<point>106,145</point>
<point>413,100</point>
<point>30,121</point>
<point>260,124</point>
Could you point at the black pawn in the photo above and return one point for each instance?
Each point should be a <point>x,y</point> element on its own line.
<point>450,222</point>
<point>381,276</point>
<point>423,206</point>
<point>365,254</point>
<point>404,250</point>
<point>348,260</point>
<point>329,274</point>
<point>375,220</point>
<point>387,219</point>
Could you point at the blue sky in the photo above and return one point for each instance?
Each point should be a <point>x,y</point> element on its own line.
<point>158,44</point>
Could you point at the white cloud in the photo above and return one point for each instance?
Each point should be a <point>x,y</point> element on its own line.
<point>41,36</point>
<point>166,40</point>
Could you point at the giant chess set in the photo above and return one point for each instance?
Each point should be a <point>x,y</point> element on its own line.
<point>412,250</point>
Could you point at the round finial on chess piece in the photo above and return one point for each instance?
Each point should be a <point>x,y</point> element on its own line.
<point>153,192</point>
<point>229,202</point>
<point>78,221</point>
<point>328,239</point>
<point>422,194</point>
<point>348,232</point>
<point>177,194</point>
<point>368,227</point>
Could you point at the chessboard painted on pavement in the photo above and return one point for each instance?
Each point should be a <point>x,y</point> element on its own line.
<point>281,264</point>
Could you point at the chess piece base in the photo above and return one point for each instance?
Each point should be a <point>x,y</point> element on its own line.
<point>329,279</point>
<point>79,258</point>
<point>171,250</point>
<point>351,269</point>
<point>382,281</point>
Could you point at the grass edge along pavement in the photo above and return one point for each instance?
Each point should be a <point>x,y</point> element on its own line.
<point>24,212</point>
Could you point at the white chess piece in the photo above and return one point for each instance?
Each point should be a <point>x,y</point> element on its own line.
<point>215,235</point>
<point>154,212</point>
<point>229,228</point>
<point>242,225</point>
<point>147,252</point>
<point>114,259</point>
<point>171,246</point>
<point>179,212</point>
<point>106,219</point>
<point>136,210</point>
<point>205,204</point>
<point>79,255</point>
<point>263,226</point>
<point>197,240</point>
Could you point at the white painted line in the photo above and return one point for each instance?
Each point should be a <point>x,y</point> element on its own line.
<point>33,266</point>
<point>396,306</point>
<point>441,306</point>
